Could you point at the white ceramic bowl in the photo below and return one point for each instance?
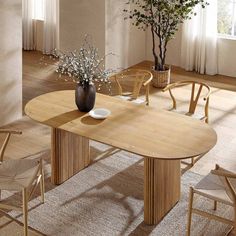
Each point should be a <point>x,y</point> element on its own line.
<point>99,113</point>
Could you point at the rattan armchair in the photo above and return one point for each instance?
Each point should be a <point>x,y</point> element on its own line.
<point>138,79</point>
<point>194,98</point>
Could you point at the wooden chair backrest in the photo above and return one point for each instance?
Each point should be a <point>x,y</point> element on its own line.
<point>228,179</point>
<point>8,134</point>
<point>137,77</point>
<point>195,93</point>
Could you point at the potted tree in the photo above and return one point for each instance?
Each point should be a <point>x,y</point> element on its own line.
<point>163,17</point>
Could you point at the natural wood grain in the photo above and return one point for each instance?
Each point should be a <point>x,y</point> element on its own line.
<point>25,211</point>
<point>161,188</point>
<point>70,154</point>
<point>126,129</point>
<point>142,130</point>
<point>190,212</point>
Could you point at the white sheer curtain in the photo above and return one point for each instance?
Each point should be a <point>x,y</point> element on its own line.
<point>50,26</point>
<point>199,41</point>
<point>28,25</point>
<point>48,14</point>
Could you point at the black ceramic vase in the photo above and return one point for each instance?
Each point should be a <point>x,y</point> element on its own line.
<point>85,97</point>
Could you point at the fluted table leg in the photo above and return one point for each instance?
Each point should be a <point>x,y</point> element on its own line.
<point>70,154</point>
<point>161,188</point>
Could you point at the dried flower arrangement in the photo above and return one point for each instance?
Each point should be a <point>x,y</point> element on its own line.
<point>84,66</point>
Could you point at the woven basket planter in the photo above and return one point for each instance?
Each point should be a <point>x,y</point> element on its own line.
<point>161,78</point>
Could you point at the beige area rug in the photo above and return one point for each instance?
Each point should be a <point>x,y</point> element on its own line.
<point>107,199</point>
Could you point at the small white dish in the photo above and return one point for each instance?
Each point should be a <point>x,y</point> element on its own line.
<point>100,113</point>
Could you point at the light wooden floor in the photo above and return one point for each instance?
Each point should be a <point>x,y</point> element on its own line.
<point>39,78</point>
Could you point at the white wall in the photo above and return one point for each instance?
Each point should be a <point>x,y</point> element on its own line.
<point>122,38</point>
<point>80,17</point>
<point>10,61</point>
<point>104,21</point>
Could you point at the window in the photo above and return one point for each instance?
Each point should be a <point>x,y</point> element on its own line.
<point>227,17</point>
<point>38,9</point>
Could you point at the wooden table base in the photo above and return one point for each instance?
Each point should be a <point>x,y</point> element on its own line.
<point>70,154</point>
<point>161,188</point>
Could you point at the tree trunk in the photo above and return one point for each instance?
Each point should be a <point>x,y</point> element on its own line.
<point>163,59</point>
<point>161,66</point>
<point>163,49</point>
<point>154,49</point>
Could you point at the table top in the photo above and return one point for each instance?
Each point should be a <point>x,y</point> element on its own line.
<point>135,128</point>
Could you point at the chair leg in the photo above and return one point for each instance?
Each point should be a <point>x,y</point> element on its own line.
<point>207,119</point>
<point>230,232</point>
<point>42,186</point>
<point>25,211</point>
<point>190,211</point>
<point>192,161</point>
<point>147,96</point>
<point>234,227</point>
<point>215,206</point>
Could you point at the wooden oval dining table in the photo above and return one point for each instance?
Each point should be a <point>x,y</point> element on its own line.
<point>163,138</point>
